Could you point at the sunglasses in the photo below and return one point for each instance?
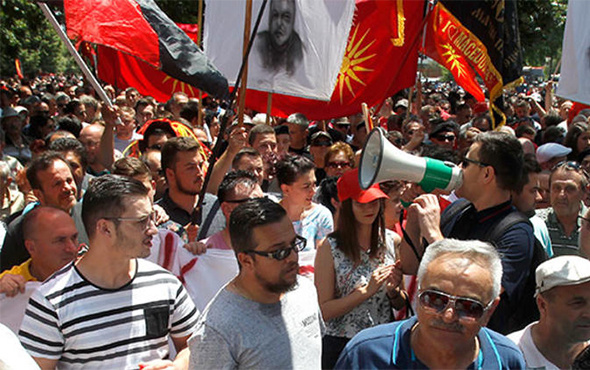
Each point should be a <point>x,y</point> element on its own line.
<point>572,165</point>
<point>463,307</point>
<point>239,201</point>
<point>321,143</point>
<point>297,245</point>
<point>338,164</point>
<point>465,162</point>
<point>445,137</point>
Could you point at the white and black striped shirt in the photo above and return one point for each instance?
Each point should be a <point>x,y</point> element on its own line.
<point>84,326</point>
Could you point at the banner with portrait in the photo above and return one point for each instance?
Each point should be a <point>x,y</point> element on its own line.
<point>298,49</point>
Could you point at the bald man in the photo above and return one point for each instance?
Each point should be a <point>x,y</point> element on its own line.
<point>51,238</point>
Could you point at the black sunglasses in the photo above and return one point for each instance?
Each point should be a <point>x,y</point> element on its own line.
<point>463,307</point>
<point>465,162</point>
<point>297,246</point>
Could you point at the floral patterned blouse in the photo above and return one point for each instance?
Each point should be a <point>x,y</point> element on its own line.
<point>375,310</point>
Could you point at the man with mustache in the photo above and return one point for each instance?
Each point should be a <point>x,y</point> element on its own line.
<point>267,317</point>
<point>563,331</point>
<point>280,47</point>
<point>111,308</point>
<point>458,290</point>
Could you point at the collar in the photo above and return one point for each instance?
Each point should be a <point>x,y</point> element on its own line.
<point>401,354</point>
<point>495,211</point>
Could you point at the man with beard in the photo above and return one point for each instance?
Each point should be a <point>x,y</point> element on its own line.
<point>563,331</point>
<point>267,317</point>
<point>183,168</point>
<point>458,290</point>
<point>280,47</point>
<point>111,308</point>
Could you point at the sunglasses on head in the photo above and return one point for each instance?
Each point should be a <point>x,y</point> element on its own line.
<point>297,245</point>
<point>463,307</point>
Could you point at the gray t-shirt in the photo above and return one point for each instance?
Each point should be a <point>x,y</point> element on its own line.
<point>236,333</point>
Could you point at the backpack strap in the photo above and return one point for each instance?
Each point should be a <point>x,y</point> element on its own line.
<point>451,213</point>
<point>499,229</point>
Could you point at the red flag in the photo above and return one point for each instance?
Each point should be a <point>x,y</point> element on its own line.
<point>380,59</point>
<point>123,71</point>
<point>139,28</point>
<point>18,67</point>
<point>440,47</point>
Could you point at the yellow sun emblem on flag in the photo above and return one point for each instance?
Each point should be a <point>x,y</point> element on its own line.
<point>354,56</point>
<point>453,59</point>
<point>184,87</point>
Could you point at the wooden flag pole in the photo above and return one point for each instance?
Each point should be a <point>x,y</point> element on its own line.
<point>244,85</point>
<point>268,107</point>
<point>367,117</point>
<point>199,43</point>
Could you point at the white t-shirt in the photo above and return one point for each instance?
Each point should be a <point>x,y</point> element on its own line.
<point>533,358</point>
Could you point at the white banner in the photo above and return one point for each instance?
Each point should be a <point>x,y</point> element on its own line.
<point>298,49</point>
<point>574,81</point>
<point>12,309</point>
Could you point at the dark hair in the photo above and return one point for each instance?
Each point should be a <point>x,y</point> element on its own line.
<point>552,120</point>
<point>174,146</point>
<point>249,215</point>
<point>259,130</point>
<point>553,134</point>
<point>70,107</point>
<point>156,127</point>
<point>327,191</point>
<point>130,167</point>
<point>231,180</point>
<point>571,138</point>
<point>107,196</point>
<point>440,153</point>
<point>244,152</point>
<point>346,234</point>
<point>530,165</point>
<point>504,153</point>
<point>190,111</point>
<point>42,163</point>
<point>67,144</point>
<point>291,167</point>
<point>521,130</point>
<point>71,124</point>
<point>36,124</point>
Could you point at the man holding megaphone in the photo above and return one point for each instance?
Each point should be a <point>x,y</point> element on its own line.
<point>490,170</point>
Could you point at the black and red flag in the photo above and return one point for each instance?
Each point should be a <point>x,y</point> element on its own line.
<point>480,36</point>
<point>139,28</point>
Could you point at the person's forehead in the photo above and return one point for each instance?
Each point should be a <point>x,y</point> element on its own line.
<point>282,5</point>
<point>567,292</point>
<point>136,205</point>
<point>276,233</point>
<point>464,275</point>
<point>562,175</point>
<point>72,156</point>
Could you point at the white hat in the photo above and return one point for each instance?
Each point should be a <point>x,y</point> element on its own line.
<point>548,151</point>
<point>560,271</point>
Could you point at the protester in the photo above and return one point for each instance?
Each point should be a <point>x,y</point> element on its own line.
<point>567,188</point>
<point>296,178</point>
<point>356,273</point>
<point>51,239</point>
<point>70,319</point>
<point>459,289</point>
<point>492,169</point>
<point>268,316</point>
<point>562,332</point>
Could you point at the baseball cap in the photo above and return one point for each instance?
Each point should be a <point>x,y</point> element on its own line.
<point>551,150</point>
<point>321,138</point>
<point>349,188</point>
<point>562,271</point>
<point>401,103</point>
<point>9,112</point>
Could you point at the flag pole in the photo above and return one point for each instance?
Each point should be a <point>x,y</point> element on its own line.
<point>85,70</point>
<point>199,41</point>
<point>243,86</point>
<point>268,107</point>
<point>197,213</point>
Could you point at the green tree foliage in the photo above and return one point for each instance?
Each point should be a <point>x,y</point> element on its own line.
<point>541,24</point>
<point>180,11</point>
<point>27,35</point>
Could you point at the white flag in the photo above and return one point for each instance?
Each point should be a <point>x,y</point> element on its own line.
<point>574,82</point>
<point>298,49</point>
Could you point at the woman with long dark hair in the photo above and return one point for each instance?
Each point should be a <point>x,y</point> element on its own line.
<point>356,272</point>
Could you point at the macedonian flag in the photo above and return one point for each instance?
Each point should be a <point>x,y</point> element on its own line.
<point>478,36</point>
<point>380,59</point>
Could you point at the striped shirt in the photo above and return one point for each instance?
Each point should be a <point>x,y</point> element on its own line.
<point>84,326</point>
<point>561,243</point>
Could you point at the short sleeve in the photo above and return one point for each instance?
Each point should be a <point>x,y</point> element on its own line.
<point>39,333</point>
<point>184,318</point>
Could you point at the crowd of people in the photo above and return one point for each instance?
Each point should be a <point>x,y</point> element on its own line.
<point>108,207</point>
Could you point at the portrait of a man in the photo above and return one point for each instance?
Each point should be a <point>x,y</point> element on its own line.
<point>280,46</point>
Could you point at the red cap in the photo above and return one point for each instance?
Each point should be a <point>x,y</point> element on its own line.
<point>481,107</point>
<point>349,187</point>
